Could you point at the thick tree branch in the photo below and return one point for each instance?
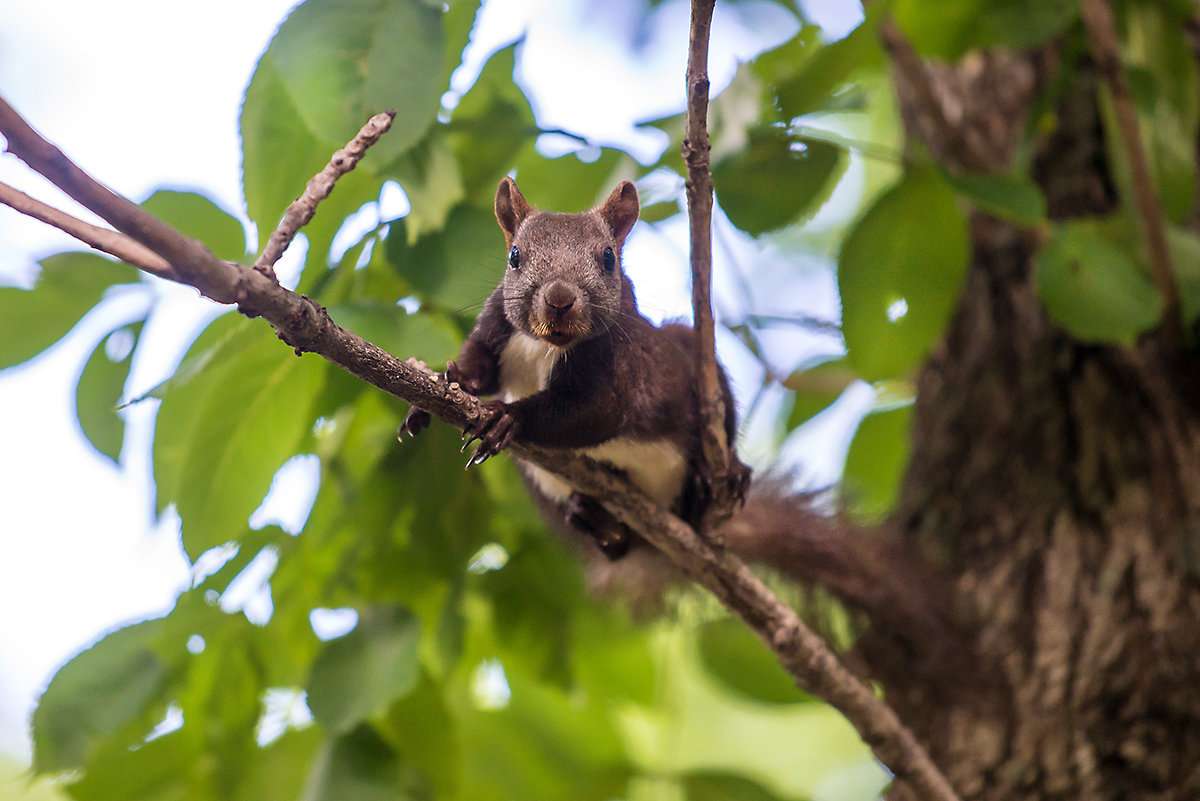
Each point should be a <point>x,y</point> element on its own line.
<point>1102,36</point>
<point>307,327</point>
<point>318,188</point>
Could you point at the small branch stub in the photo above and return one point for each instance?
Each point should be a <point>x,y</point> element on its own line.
<point>318,188</point>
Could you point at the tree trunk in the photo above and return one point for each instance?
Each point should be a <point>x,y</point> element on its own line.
<point>1057,485</point>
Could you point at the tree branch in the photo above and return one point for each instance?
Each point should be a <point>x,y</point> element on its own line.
<point>799,649</point>
<point>1102,36</point>
<point>306,326</point>
<point>103,239</point>
<point>696,151</point>
<point>302,209</point>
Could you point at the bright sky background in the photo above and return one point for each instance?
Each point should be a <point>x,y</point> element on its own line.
<point>143,94</point>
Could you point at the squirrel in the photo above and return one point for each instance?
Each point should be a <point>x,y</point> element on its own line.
<point>570,362</point>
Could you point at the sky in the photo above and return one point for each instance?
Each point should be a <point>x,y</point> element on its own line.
<point>145,94</point>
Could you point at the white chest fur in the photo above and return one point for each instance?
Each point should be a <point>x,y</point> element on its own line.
<point>656,466</point>
<point>525,365</point>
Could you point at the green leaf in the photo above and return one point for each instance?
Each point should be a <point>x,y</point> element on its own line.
<point>611,657</point>
<point>776,180</point>
<point>876,461</point>
<point>899,274</point>
<point>742,663</point>
<point>1167,90</point>
<point>1010,197</point>
<point>202,219</point>
<point>536,598</point>
<point>420,726</point>
<point>343,61</point>
<point>713,785</point>
<point>546,744</point>
<point>429,337</point>
<point>817,387</point>
<point>100,387</point>
<point>1022,24</point>
<point>358,676</point>
<point>491,125</point>
<point>223,431</point>
<point>458,23</point>
<point>279,153</point>
<point>455,268</point>
<point>332,66</point>
<point>1093,287</point>
<point>96,696</point>
<point>68,286</point>
<point>657,212</point>
<point>959,26</point>
<point>947,34</point>
<point>1185,260</point>
<point>220,699</point>
<point>360,765</point>
<point>567,183</point>
<point>155,771</point>
<point>432,180</point>
<point>808,84</point>
<point>276,770</point>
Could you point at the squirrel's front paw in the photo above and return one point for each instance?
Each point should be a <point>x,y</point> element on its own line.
<point>729,489</point>
<point>739,476</point>
<point>455,375</point>
<point>494,428</point>
<point>415,423</point>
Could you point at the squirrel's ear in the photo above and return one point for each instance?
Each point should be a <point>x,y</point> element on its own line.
<point>620,211</point>
<point>511,208</point>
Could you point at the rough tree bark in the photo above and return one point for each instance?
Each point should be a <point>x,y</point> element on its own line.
<point>1056,486</point>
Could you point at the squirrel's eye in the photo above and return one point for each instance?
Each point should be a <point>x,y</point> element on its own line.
<point>610,259</point>
<point>514,258</point>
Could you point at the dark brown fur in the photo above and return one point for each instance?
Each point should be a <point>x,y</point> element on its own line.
<point>616,377</point>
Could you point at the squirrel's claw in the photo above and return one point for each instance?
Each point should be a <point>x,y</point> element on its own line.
<point>739,475</point>
<point>416,422</point>
<point>494,429</point>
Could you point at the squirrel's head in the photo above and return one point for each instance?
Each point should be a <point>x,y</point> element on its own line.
<point>564,282</point>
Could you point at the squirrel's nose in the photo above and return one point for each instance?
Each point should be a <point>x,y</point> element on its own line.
<point>560,298</point>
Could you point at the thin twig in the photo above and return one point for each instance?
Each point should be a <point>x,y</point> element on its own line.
<point>1102,36</point>
<point>307,326</point>
<point>318,188</point>
<point>699,187</point>
<point>799,649</point>
<point>106,240</point>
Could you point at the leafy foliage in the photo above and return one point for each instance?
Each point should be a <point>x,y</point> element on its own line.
<point>69,285</point>
<point>478,665</point>
<point>899,275</point>
<point>1093,287</point>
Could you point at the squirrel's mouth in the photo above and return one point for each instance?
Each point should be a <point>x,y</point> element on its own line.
<point>558,337</point>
